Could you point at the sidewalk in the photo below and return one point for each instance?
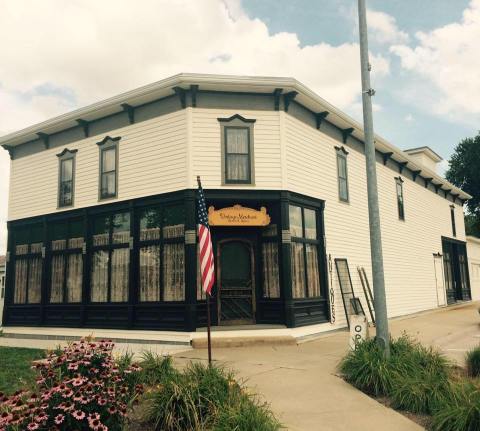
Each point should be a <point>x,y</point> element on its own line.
<point>300,382</point>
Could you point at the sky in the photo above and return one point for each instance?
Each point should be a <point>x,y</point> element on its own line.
<point>57,56</point>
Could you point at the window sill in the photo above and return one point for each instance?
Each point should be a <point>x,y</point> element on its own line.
<point>107,198</point>
<point>224,184</point>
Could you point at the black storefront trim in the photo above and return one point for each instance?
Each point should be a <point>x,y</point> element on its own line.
<point>184,315</point>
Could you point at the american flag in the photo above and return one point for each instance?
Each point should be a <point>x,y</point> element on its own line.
<point>206,249</point>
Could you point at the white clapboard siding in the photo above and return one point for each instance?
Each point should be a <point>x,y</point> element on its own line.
<point>152,160</point>
<point>408,246</point>
<point>473,253</point>
<point>207,154</point>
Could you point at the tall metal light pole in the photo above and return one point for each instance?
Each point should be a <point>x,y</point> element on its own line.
<point>373,210</point>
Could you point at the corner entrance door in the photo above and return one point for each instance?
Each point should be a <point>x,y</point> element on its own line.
<point>236,303</point>
<point>457,281</point>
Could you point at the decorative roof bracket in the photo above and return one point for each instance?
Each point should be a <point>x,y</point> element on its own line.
<point>287,99</point>
<point>320,116</point>
<point>130,110</point>
<point>346,133</point>
<point>276,97</point>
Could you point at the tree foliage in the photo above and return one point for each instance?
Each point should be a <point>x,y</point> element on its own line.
<point>464,172</point>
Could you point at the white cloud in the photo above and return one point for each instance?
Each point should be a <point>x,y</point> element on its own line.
<point>409,118</point>
<point>447,59</point>
<point>62,55</point>
<point>383,28</point>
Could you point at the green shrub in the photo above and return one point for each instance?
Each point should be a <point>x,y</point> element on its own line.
<point>367,369</point>
<point>461,409</point>
<point>190,400</point>
<point>156,368</point>
<point>472,360</point>
<point>246,413</point>
<point>203,397</point>
<point>422,392</point>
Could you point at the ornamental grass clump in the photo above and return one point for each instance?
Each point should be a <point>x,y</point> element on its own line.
<point>206,397</point>
<point>423,392</point>
<point>472,360</point>
<point>461,409</point>
<point>369,370</point>
<point>156,369</point>
<point>81,388</point>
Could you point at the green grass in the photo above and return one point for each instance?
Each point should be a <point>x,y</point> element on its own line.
<point>15,368</point>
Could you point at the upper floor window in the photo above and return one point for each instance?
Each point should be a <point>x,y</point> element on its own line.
<point>66,175</point>
<point>342,173</point>
<point>237,150</point>
<point>108,167</point>
<point>452,216</point>
<point>400,200</point>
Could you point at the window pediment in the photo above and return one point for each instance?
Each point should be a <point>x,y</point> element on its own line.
<point>108,139</point>
<point>66,153</point>
<point>236,117</point>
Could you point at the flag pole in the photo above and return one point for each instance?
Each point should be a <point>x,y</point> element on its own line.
<point>209,341</point>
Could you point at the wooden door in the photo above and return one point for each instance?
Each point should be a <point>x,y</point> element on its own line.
<point>236,282</point>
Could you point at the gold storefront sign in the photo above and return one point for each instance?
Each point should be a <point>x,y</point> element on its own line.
<point>238,216</point>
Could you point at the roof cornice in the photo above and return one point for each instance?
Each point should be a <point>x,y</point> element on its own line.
<point>257,84</point>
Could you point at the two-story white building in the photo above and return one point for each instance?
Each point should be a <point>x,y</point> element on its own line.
<point>102,211</point>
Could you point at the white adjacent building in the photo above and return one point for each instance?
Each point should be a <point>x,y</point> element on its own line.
<point>102,211</point>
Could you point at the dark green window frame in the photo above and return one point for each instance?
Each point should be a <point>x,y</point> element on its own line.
<point>66,156</point>
<point>27,236</point>
<point>109,248</point>
<point>306,241</point>
<point>343,192</point>
<point>164,212</point>
<point>107,144</point>
<point>73,229</point>
<point>400,198</point>
<point>237,122</point>
<point>452,217</point>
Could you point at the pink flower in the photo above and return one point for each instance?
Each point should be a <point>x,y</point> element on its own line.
<point>102,401</point>
<point>67,394</point>
<point>59,419</point>
<point>84,400</point>
<point>94,424</point>
<point>73,366</point>
<point>42,417</point>
<point>32,426</point>
<point>78,415</point>
<point>5,417</point>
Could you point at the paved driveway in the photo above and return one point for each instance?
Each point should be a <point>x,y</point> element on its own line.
<point>304,391</point>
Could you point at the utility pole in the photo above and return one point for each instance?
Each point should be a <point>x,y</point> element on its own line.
<point>380,301</point>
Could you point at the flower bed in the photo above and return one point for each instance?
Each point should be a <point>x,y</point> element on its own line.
<point>78,388</point>
<point>83,387</point>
